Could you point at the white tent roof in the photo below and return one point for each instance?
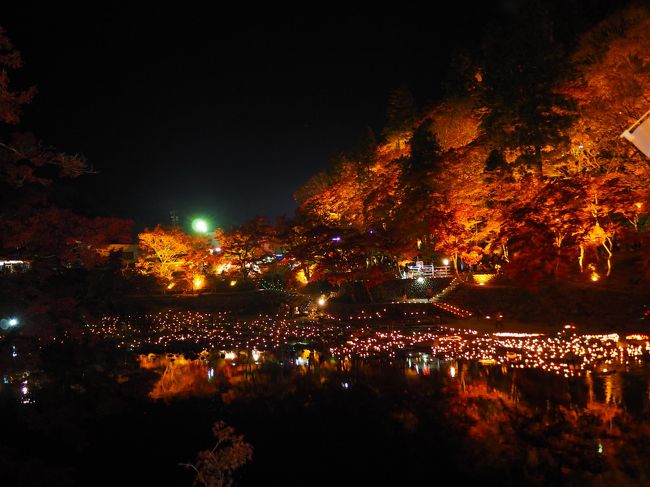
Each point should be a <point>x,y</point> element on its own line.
<point>639,134</point>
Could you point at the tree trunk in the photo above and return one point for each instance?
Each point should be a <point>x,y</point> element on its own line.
<point>506,255</point>
<point>608,247</point>
<point>454,259</point>
<point>582,256</point>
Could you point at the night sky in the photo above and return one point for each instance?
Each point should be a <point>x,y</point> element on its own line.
<point>221,114</point>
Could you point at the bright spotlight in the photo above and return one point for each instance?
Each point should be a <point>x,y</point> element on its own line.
<point>199,225</point>
<point>13,321</point>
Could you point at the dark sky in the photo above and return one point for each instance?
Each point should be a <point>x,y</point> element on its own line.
<point>223,113</point>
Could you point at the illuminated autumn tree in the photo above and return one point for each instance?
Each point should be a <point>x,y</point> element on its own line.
<point>471,224</point>
<point>598,229</point>
<point>169,254</point>
<point>612,86</point>
<point>348,254</point>
<point>361,194</point>
<point>408,233</point>
<point>596,188</point>
<point>337,257</point>
<point>456,122</point>
<point>304,248</point>
<point>381,192</point>
<point>541,222</point>
<point>450,239</point>
<point>249,246</point>
<point>333,197</point>
<point>627,197</point>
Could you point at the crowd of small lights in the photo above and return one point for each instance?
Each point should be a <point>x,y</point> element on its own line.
<point>450,287</point>
<point>566,353</point>
<point>407,317</point>
<point>363,315</point>
<point>169,329</point>
<point>454,310</point>
<point>455,282</point>
<point>21,380</point>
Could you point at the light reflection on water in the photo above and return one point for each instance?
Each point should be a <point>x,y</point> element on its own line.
<point>607,368</point>
<point>215,372</point>
<point>587,369</point>
<point>21,384</point>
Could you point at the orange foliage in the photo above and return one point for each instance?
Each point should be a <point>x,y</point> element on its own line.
<point>170,253</point>
<point>612,90</point>
<point>339,202</point>
<point>248,245</point>
<point>456,123</point>
<point>474,199</point>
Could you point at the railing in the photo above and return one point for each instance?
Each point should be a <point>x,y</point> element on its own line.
<point>426,270</point>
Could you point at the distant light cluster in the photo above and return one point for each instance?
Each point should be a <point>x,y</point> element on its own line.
<point>168,329</point>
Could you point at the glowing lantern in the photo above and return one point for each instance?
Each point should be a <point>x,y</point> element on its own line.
<point>233,283</point>
<point>321,301</point>
<point>482,279</point>
<point>445,261</point>
<point>171,285</point>
<point>198,282</point>
<point>452,371</point>
<point>594,276</point>
<point>300,277</point>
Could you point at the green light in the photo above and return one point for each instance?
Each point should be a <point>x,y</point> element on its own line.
<point>199,225</point>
